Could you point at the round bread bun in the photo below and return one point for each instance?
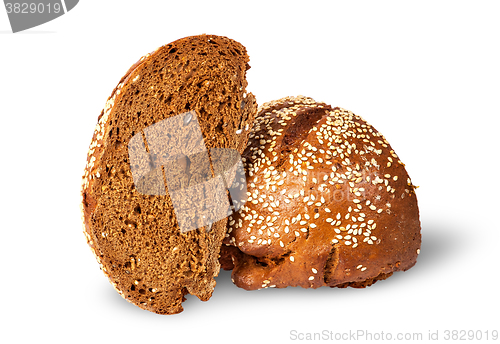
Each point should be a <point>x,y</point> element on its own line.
<point>135,234</point>
<point>329,202</point>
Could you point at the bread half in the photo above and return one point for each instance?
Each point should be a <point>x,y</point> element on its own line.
<point>132,228</point>
<point>330,202</point>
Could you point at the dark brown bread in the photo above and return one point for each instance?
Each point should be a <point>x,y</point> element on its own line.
<point>135,236</point>
<point>330,203</point>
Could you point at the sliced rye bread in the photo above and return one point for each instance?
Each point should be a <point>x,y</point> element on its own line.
<point>135,237</point>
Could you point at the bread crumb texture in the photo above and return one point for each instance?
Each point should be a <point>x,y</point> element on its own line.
<point>329,202</point>
<point>135,237</point>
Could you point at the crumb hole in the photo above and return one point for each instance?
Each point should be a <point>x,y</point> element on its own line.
<point>261,263</point>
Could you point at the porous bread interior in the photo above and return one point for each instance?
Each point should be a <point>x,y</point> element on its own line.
<point>136,237</point>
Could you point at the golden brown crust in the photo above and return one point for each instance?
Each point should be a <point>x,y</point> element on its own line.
<point>330,203</point>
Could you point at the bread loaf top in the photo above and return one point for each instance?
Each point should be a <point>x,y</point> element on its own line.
<point>329,201</point>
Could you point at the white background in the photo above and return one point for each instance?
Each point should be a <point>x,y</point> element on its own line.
<point>426,74</point>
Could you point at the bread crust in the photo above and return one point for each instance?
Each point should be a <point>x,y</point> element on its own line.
<point>196,256</point>
<point>330,203</point>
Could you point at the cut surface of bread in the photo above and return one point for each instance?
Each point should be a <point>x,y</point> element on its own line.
<point>330,203</point>
<point>134,233</point>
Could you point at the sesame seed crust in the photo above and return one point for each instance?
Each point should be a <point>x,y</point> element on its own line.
<point>338,184</point>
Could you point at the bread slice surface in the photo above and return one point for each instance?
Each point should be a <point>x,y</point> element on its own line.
<point>135,236</point>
